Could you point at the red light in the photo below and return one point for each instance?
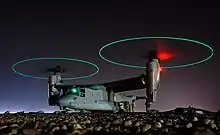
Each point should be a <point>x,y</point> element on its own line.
<point>164,56</point>
<point>160,69</point>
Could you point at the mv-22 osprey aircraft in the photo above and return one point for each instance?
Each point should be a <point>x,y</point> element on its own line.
<point>105,96</point>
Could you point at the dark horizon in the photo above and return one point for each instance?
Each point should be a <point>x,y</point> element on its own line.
<point>79,30</point>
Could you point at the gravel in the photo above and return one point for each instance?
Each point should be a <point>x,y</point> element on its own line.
<point>181,122</point>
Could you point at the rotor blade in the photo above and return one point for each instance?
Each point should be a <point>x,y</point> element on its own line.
<point>49,70</point>
<point>55,69</point>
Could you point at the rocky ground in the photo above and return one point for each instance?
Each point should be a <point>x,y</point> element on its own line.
<point>182,121</point>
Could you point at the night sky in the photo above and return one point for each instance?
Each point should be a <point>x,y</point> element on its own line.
<point>79,30</point>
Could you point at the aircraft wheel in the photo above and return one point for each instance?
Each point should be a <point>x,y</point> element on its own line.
<point>127,106</point>
<point>63,108</point>
<point>121,111</point>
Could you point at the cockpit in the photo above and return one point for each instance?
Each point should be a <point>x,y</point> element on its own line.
<point>77,91</point>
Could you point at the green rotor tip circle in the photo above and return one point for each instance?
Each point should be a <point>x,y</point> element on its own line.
<point>54,58</point>
<point>147,38</point>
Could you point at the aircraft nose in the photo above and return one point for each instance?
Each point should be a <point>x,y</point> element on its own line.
<point>66,100</point>
<point>63,101</point>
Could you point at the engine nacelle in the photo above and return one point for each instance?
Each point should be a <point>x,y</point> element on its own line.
<point>53,92</point>
<point>153,77</point>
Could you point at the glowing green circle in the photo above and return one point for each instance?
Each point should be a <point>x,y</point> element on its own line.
<point>55,58</point>
<point>172,38</point>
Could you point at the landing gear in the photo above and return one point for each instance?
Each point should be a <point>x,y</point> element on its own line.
<point>133,106</point>
<point>84,111</point>
<point>147,105</point>
<point>119,107</point>
<point>127,106</point>
<point>121,111</point>
<point>124,107</point>
<point>63,109</point>
<point>147,102</point>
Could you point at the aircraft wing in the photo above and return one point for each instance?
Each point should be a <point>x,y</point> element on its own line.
<point>125,84</point>
<point>117,86</point>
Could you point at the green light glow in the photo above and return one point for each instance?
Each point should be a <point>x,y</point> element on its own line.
<point>148,38</point>
<point>55,58</point>
<point>74,90</point>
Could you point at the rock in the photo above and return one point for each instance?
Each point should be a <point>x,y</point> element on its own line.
<point>107,125</point>
<point>98,128</point>
<point>77,126</point>
<point>64,127</point>
<point>137,124</point>
<point>218,125</point>
<point>207,132</point>
<point>14,125</point>
<point>182,118</point>
<point>14,132</point>
<point>158,125</point>
<point>88,122</point>
<point>76,132</point>
<point>195,119</point>
<point>175,120</point>
<point>146,127</point>
<point>177,126</point>
<point>213,126</point>
<point>126,131</point>
<point>55,128</point>
<point>30,132</point>
<point>115,128</point>
<point>138,130</point>
<point>117,121</point>
<point>52,124</point>
<point>90,129</point>
<point>189,125</point>
<point>200,128</point>
<point>212,122</point>
<point>168,123</point>
<point>3,127</point>
<point>161,121</point>
<point>207,121</point>
<point>106,130</point>
<point>128,123</point>
<point>165,130</point>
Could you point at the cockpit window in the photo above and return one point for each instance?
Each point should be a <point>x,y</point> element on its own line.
<point>78,91</point>
<point>82,92</point>
<point>74,91</point>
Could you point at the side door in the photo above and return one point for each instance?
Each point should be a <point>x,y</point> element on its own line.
<point>89,96</point>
